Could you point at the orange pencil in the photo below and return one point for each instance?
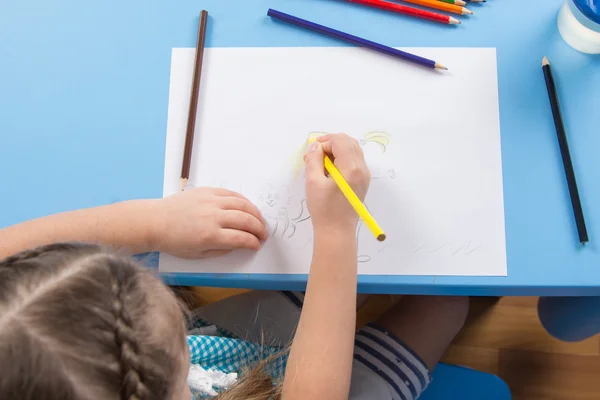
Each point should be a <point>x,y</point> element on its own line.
<point>441,6</point>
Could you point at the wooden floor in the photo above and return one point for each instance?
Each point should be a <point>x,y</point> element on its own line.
<point>505,338</point>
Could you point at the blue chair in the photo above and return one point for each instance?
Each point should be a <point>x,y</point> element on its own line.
<point>571,319</point>
<point>451,382</point>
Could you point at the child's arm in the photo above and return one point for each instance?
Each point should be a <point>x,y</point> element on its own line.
<point>193,224</point>
<point>320,363</point>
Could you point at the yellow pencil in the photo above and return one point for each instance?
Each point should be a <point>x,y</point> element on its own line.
<point>358,206</point>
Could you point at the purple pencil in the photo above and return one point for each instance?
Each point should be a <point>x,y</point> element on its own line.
<point>355,39</point>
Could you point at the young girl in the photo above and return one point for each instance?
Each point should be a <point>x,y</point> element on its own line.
<point>80,322</point>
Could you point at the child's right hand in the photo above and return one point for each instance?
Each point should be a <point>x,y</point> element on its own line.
<point>328,207</point>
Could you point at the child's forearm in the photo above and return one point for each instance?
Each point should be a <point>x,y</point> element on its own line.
<point>127,225</point>
<point>320,363</point>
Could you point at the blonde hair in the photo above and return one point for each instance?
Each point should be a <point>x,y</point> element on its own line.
<point>256,384</point>
<point>78,322</point>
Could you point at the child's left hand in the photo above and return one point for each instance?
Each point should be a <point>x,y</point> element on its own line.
<point>206,222</point>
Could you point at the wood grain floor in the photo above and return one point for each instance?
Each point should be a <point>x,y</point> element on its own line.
<point>505,337</point>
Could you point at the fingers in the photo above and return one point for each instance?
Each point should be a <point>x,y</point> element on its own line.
<point>242,221</point>
<point>235,239</point>
<point>343,150</point>
<point>235,201</point>
<point>313,160</point>
<point>348,157</point>
<point>325,138</point>
<point>329,139</point>
<point>358,149</point>
<point>340,145</point>
<point>240,204</point>
<point>227,193</point>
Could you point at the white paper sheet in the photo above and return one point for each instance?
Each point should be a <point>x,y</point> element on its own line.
<point>432,140</point>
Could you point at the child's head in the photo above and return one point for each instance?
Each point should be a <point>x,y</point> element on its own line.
<point>77,322</point>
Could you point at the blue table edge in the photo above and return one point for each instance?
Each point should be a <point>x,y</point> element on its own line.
<point>396,284</point>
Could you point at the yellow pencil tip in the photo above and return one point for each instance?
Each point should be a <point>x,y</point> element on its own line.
<point>381,237</point>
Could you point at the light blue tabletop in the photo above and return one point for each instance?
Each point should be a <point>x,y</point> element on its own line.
<point>83,111</point>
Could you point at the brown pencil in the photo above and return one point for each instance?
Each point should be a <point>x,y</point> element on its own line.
<point>191,123</point>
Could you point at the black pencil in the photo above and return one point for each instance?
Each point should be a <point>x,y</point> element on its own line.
<point>564,151</point>
<point>191,123</point>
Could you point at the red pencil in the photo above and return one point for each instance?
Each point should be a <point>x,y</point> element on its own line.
<point>415,12</point>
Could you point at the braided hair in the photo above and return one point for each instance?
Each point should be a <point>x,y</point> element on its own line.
<point>133,387</point>
<point>78,322</point>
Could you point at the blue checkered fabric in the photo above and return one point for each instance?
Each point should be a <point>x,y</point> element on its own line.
<point>228,355</point>
<point>232,355</point>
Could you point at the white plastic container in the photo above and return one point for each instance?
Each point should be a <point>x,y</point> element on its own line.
<point>579,25</point>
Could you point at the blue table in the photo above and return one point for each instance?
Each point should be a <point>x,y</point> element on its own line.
<point>83,110</point>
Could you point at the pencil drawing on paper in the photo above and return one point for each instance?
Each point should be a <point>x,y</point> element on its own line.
<point>451,248</point>
<point>276,200</point>
<point>379,138</point>
<point>382,173</point>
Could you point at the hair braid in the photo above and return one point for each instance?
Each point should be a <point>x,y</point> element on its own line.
<point>133,387</point>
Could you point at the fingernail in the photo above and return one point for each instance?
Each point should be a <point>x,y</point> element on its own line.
<point>312,147</point>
